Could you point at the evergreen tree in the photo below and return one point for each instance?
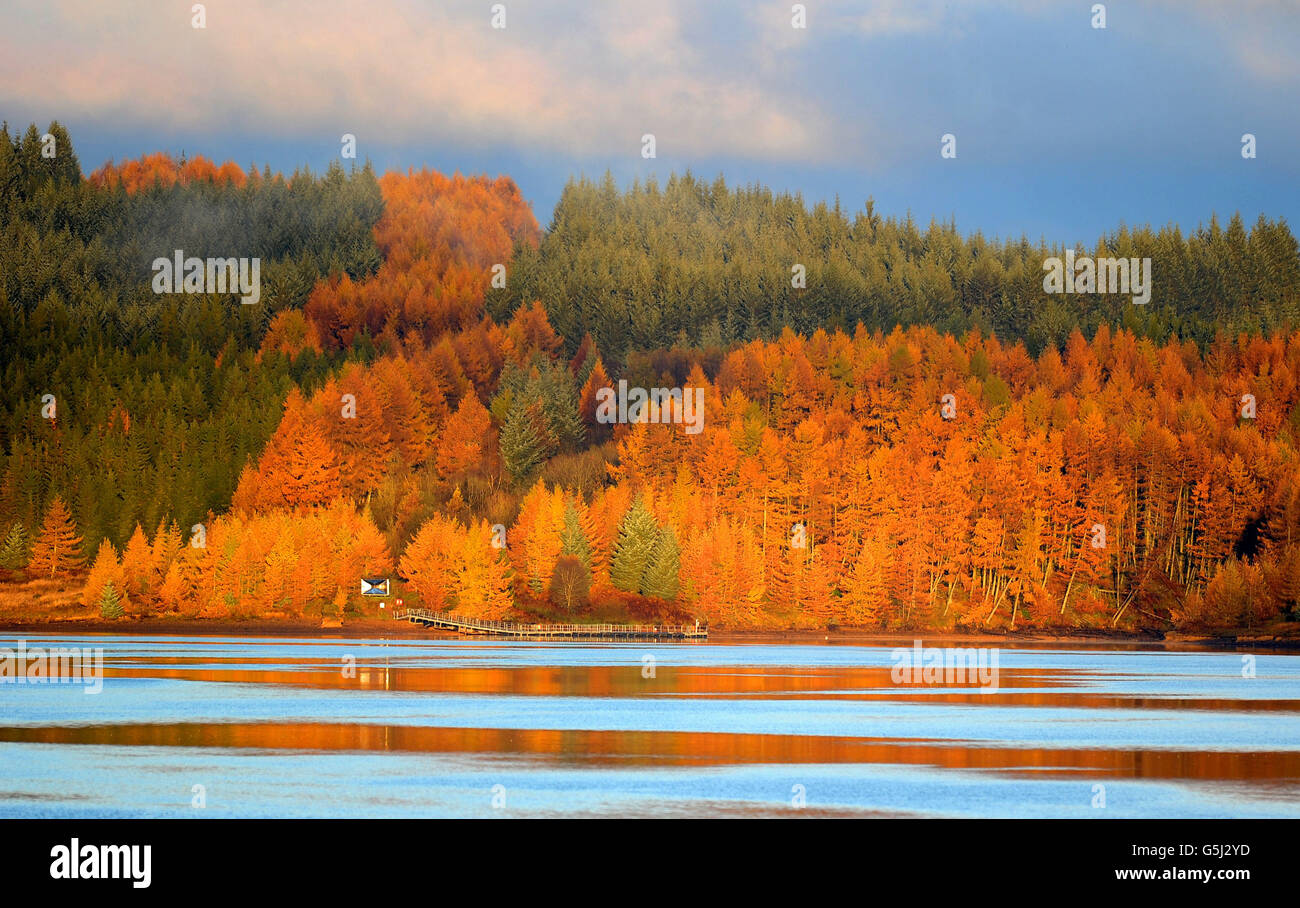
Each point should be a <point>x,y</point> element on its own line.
<point>712,263</point>
<point>14,552</point>
<point>110,603</point>
<point>141,370</point>
<point>637,537</point>
<point>573,541</point>
<point>524,443</point>
<point>661,577</point>
<point>548,386</point>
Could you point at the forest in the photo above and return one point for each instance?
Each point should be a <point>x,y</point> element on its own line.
<point>918,437</point>
<point>656,265</point>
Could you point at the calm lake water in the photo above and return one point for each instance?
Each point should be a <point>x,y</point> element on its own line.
<point>288,727</point>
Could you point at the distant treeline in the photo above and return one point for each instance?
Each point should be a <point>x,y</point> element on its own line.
<point>705,263</point>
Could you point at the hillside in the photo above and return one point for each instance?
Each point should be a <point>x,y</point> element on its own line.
<point>919,436</point>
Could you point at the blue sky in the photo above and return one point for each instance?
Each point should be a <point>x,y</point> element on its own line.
<point>1063,130</point>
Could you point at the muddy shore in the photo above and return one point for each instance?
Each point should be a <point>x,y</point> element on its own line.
<point>1277,636</point>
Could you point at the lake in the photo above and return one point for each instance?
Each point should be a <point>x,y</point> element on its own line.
<point>208,726</point>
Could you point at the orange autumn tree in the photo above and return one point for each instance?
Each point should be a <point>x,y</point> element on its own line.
<point>106,569</point>
<point>483,576</point>
<point>165,548</point>
<point>430,561</point>
<point>463,438</point>
<point>413,407</point>
<point>298,469</point>
<point>176,587</point>
<point>988,516</point>
<point>57,550</point>
<point>289,334</point>
<point>281,562</point>
<point>915,517</point>
<point>162,169</point>
<point>440,238</point>
<point>535,542</point>
<point>598,379</point>
<point>722,570</point>
<point>137,566</point>
<point>865,598</point>
<point>1041,499</point>
<point>451,567</point>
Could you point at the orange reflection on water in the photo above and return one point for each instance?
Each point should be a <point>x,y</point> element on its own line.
<point>1015,687</point>
<point>673,748</point>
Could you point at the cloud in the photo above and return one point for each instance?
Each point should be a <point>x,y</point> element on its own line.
<point>866,85</point>
<point>568,78</point>
<point>1262,34</point>
<point>900,18</point>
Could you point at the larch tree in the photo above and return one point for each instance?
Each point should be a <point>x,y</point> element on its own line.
<point>865,597</point>
<point>174,590</point>
<point>106,569</point>
<point>137,567</point>
<point>538,537</point>
<point>430,561</point>
<point>166,548</point>
<point>311,476</point>
<point>597,431</point>
<point>460,449</point>
<point>57,550</point>
<point>483,577</point>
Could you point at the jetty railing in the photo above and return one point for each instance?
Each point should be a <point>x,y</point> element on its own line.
<point>466,625</point>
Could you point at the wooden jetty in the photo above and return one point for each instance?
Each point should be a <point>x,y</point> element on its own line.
<point>452,622</point>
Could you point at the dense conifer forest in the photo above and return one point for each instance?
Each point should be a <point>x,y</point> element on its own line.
<point>900,428</point>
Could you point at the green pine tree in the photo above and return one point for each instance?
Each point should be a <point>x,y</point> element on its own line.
<point>548,387</point>
<point>559,398</point>
<point>524,445</point>
<point>110,603</point>
<point>15,551</point>
<point>661,577</point>
<point>637,535</point>
<point>572,540</point>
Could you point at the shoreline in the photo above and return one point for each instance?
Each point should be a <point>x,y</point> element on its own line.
<point>1286,638</point>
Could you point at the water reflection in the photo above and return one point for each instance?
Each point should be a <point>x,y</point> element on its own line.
<point>599,747</point>
<point>713,730</point>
